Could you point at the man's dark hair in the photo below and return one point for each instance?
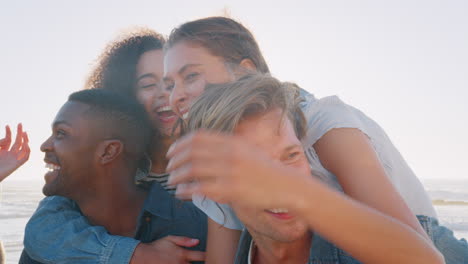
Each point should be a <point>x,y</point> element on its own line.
<point>119,117</point>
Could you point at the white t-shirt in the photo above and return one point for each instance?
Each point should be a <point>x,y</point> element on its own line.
<point>325,114</point>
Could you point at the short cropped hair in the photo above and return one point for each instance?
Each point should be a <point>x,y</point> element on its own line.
<point>118,117</point>
<point>223,106</point>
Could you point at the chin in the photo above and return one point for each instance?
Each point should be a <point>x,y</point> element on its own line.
<point>291,236</point>
<point>47,190</point>
<point>51,189</point>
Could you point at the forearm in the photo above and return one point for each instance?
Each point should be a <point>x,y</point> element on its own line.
<point>365,233</point>
<point>58,224</point>
<point>221,243</point>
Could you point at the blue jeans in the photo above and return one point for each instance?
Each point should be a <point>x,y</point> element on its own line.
<point>455,250</point>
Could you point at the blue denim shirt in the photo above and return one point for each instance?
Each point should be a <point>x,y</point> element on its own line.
<point>321,252</point>
<point>59,233</point>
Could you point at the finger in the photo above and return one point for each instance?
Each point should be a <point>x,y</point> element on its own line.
<point>192,153</point>
<point>183,241</point>
<point>25,150</point>
<point>192,255</point>
<point>19,129</point>
<point>210,190</point>
<point>196,139</point>
<point>179,145</point>
<point>5,142</point>
<point>185,191</point>
<point>18,141</point>
<point>200,171</point>
<point>25,138</point>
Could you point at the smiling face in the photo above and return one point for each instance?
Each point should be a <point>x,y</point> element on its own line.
<point>69,152</point>
<point>273,133</point>
<point>187,70</point>
<point>151,92</point>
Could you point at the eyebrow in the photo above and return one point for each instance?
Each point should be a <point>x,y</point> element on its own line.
<point>180,71</point>
<point>146,75</point>
<point>60,122</point>
<point>186,66</point>
<point>289,148</point>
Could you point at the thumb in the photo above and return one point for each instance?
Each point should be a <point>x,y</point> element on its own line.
<point>183,241</point>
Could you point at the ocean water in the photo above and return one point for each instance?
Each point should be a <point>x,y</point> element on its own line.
<point>18,202</point>
<point>20,199</point>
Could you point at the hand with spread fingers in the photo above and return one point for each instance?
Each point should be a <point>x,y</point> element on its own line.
<point>13,156</point>
<point>224,168</point>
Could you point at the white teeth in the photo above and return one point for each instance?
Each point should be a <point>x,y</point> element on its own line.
<point>184,116</point>
<point>164,108</point>
<point>52,167</point>
<point>279,210</point>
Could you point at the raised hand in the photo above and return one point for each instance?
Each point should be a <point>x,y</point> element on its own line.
<point>167,250</point>
<point>224,168</point>
<point>13,157</point>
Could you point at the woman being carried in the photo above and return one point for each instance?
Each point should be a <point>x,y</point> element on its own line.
<point>345,148</point>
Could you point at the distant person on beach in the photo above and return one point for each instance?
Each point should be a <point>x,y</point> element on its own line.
<point>345,148</point>
<point>13,156</point>
<point>131,66</point>
<point>262,172</point>
<point>98,140</point>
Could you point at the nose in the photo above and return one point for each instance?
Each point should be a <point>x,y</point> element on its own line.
<point>163,93</point>
<point>178,98</point>
<point>47,145</point>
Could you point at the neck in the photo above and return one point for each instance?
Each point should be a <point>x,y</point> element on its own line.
<point>114,205</point>
<point>159,160</point>
<point>275,252</point>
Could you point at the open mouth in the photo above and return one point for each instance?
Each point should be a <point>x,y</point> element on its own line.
<point>184,113</point>
<point>280,213</point>
<point>52,171</point>
<point>165,114</point>
<point>52,167</point>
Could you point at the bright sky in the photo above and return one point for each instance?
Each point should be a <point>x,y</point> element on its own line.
<point>403,63</point>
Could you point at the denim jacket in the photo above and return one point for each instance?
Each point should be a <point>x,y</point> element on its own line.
<point>321,252</point>
<point>59,233</point>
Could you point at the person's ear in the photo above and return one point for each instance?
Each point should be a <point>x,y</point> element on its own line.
<point>248,64</point>
<point>109,150</point>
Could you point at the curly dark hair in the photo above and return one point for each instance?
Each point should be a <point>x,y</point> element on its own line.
<point>116,66</point>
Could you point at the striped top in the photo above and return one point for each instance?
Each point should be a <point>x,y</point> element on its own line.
<point>161,179</point>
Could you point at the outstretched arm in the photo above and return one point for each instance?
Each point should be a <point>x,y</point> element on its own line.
<point>348,154</point>
<point>227,175</point>
<point>12,158</point>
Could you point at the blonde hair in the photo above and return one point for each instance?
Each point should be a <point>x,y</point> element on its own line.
<point>222,106</point>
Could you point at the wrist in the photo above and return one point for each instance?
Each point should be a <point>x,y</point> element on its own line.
<point>304,197</point>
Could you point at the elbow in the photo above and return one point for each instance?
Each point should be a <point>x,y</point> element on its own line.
<point>434,257</point>
<point>430,255</point>
<point>438,257</point>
